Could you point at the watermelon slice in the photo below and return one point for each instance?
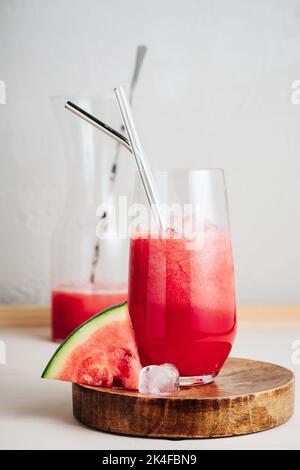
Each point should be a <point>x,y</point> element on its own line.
<point>101,352</point>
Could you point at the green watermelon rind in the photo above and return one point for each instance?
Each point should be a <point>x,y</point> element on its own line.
<point>80,335</point>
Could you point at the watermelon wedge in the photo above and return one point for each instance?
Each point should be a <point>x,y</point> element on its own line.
<point>101,352</point>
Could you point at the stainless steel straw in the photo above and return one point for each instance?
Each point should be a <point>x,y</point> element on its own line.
<point>141,161</point>
<point>132,144</point>
<point>98,124</point>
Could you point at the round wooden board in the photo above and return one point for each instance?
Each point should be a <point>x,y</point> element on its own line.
<point>247,397</point>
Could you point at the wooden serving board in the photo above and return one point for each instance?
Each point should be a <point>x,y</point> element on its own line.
<point>247,397</point>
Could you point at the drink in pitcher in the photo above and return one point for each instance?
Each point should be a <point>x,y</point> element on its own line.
<point>73,305</point>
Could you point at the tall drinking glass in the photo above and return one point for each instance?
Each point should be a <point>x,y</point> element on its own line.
<point>181,280</point>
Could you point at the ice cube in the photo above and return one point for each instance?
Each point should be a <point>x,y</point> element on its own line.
<point>159,380</point>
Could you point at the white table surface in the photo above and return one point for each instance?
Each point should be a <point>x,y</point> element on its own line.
<point>37,414</point>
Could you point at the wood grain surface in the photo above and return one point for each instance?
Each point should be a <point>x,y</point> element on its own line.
<point>247,397</point>
<point>34,316</point>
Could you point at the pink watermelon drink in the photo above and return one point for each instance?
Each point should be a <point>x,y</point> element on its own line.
<point>72,306</point>
<point>182,301</point>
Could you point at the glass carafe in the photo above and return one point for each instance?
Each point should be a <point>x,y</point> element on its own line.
<point>88,274</point>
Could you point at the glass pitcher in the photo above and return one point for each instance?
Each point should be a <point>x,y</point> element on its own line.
<point>88,274</point>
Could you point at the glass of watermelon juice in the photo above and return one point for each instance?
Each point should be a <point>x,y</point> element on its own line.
<point>181,283</point>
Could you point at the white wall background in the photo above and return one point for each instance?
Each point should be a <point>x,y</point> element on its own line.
<point>217,77</point>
